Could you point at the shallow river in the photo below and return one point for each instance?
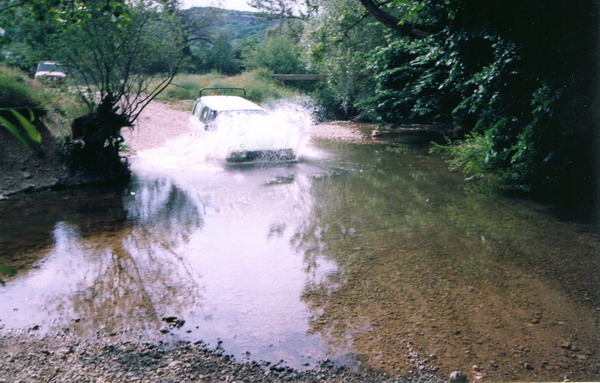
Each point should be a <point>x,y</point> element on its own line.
<point>371,255</point>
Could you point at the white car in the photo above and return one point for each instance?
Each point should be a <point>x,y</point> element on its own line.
<point>50,70</point>
<point>243,126</point>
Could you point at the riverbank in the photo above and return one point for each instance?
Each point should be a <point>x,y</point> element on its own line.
<point>64,358</point>
<point>23,170</point>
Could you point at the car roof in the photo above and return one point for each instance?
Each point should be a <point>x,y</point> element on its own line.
<point>224,103</point>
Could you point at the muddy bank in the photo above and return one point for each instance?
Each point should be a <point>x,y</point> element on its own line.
<point>22,169</point>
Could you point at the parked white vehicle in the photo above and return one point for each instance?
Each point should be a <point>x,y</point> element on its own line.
<point>50,70</point>
<point>245,128</point>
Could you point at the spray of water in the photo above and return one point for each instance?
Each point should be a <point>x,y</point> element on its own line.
<point>285,125</point>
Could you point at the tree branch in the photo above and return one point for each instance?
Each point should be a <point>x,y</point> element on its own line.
<point>406,29</point>
<point>355,24</point>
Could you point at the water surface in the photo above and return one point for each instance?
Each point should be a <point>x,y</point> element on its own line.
<point>374,256</point>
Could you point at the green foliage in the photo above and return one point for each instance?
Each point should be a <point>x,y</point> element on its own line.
<point>17,99</point>
<point>31,137</point>
<point>471,155</point>
<point>6,271</point>
<point>278,54</point>
<point>221,56</point>
<point>16,89</point>
<point>209,30</point>
<point>238,25</point>
<point>25,96</point>
<point>524,90</point>
<point>113,51</point>
<point>338,43</point>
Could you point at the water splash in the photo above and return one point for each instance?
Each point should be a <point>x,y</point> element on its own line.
<point>285,125</point>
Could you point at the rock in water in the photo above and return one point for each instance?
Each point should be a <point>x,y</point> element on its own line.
<point>457,377</point>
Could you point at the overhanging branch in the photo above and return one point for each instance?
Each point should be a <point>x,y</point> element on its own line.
<point>406,28</point>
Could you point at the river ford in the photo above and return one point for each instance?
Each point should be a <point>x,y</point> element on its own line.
<point>370,254</point>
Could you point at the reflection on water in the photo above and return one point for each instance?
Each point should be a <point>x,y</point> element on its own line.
<point>366,255</point>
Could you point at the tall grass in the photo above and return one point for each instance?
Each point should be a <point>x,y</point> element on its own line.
<point>17,90</point>
<point>259,85</point>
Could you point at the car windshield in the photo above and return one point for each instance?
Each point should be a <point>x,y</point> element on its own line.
<point>49,67</point>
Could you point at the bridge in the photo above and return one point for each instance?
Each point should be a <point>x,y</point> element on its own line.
<point>299,77</point>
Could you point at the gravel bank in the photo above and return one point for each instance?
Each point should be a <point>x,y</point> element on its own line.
<point>62,358</point>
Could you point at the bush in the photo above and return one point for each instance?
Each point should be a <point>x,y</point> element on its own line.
<point>472,155</point>
<point>279,54</point>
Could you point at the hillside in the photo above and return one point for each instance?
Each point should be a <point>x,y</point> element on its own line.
<point>237,24</point>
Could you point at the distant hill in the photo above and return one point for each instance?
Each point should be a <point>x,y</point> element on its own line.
<point>237,24</point>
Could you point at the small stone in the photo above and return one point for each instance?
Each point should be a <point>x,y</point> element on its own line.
<point>457,377</point>
<point>565,345</point>
<point>528,366</point>
<point>582,357</point>
<point>476,368</point>
<point>173,321</point>
<point>164,330</point>
<point>65,350</point>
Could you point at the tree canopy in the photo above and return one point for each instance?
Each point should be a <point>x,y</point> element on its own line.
<point>519,77</point>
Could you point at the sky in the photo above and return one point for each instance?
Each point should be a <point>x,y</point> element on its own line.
<point>240,5</point>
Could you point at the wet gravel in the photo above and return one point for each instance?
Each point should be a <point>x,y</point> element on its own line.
<point>65,358</point>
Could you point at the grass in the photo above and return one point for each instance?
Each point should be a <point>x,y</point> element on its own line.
<point>259,85</point>
<point>58,106</point>
<point>17,90</point>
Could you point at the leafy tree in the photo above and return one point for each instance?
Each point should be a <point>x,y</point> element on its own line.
<point>221,55</point>
<point>338,42</point>
<point>279,54</point>
<point>120,58</point>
